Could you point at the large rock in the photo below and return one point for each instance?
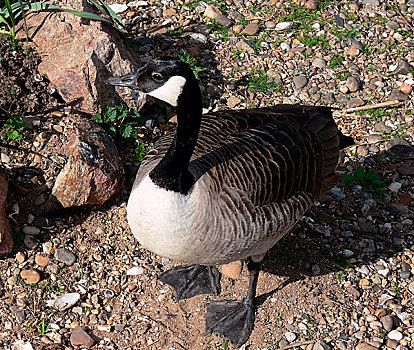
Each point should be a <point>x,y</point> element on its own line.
<point>93,171</point>
<point>79,55</point>
<point>6,239</point>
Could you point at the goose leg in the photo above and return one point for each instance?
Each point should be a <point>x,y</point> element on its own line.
<point>232,318</point>
<point>190,280</point>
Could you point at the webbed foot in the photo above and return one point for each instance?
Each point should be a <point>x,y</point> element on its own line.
<point>190,280</point>
<point>233,319</point>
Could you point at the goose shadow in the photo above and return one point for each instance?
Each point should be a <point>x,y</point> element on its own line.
<point>323,242</point>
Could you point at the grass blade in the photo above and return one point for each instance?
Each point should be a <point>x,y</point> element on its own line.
<point>24,20</point>
<point>40,6</point>
<point>112,13</point>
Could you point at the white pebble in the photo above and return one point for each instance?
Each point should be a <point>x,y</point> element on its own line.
<point>290,336</point>
<point>395,186</point>
<point>118,8</point>
<point>135,271</point>
<point>283,26</point>
<point>395,335</point>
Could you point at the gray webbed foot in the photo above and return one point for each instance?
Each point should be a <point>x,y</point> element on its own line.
<point>190,280</point>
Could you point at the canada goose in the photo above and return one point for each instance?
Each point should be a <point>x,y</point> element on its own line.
<point>225,186</point>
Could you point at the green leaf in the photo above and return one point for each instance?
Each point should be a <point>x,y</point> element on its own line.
<point>40,6</point>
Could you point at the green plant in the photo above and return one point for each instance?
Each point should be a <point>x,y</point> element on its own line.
<point>261,82</point>
<point>192,62</point>
<point>369,182</point>
<point>120,121</point>
<point>14,125</point>
<point>42,329</point>
<point>12,11</point>
<point>336,61</point>
<point>140,152</point>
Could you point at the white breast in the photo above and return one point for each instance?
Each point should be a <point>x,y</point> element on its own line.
<point>160,219</point>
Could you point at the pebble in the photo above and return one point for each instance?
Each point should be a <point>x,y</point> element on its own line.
<point>31,230</point>
<point>65,301</point>
<point>319,62</point>
<point>80,338</point>
<point>300,81</point>
<point>22,345</point>
<point>374,138</point>
<point>403,67</point>
<point>20,257</point>
<point>355,102</point>
<point>232,270</point>
<point>30,276</point>
<point>397,95</point>
<point>65,256</point>
<point>353,84</point>
<point>135,271</point>
<point>311,5</point>
<point>387,323</point>
<point>395,186</point>
<point>118,8</point>
<point>406,89</point>
<point>365,346</point>
<point>395,335</point>
<point>290,337</point>
<point>233,101</point>
<point>284,26</point>
<point>251,29</point>
<point>41,259</point>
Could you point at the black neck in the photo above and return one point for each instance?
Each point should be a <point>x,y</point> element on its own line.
<point>172,172</point>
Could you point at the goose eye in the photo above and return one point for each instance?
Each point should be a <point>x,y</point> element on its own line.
<point>157,76</point>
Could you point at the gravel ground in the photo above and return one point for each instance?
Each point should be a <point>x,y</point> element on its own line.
<point>342,279</point>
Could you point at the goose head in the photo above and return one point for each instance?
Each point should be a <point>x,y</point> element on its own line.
<point>166,79</point>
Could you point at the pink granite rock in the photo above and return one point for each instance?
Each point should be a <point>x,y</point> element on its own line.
<point>6,239</point>
<point>78,56</point>
<point>93,172</point>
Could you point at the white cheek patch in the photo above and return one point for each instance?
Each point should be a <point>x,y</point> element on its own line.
<point>170,91</point>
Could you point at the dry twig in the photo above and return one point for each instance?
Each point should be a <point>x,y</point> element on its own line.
<point>291,346</point>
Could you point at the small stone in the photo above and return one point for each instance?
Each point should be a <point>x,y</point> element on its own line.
<point>284,26</point>
<point>5,158</point>
<point>30,276</point>
<point>397,95</point>
<point>392,25</point>
<point>381,127</point>
<point>135,271</point>
<point>411,287</point>
<point>233,101</point>
<point>290,337</point>
<point>80,338</point>
<point>41,260</point>
<point>371,2</point>
<point>251,29</point>
<point>31,230</point>
<point>365,346</point>
<point>212,12</point>
<point>270,24</point>
<point>395,186</point>
<point>224,21</point>
<point>66,301</point>
<point>406,89</point>
<point>300,81</point>
<point>355,102</point>
<point>118,8</point>
<point>374,138</point>
<point>22,345</point>
<point>20,257</point>
<point>65,256</point>
<point>30,242</point>
<point>353,84</point>
<point>321,345</point>
<point>232,270</point>
<point>395,335</point>
<point>319,62</point>
<point>391,344</point>
<point>403,67</point>
<point>311,5</point>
